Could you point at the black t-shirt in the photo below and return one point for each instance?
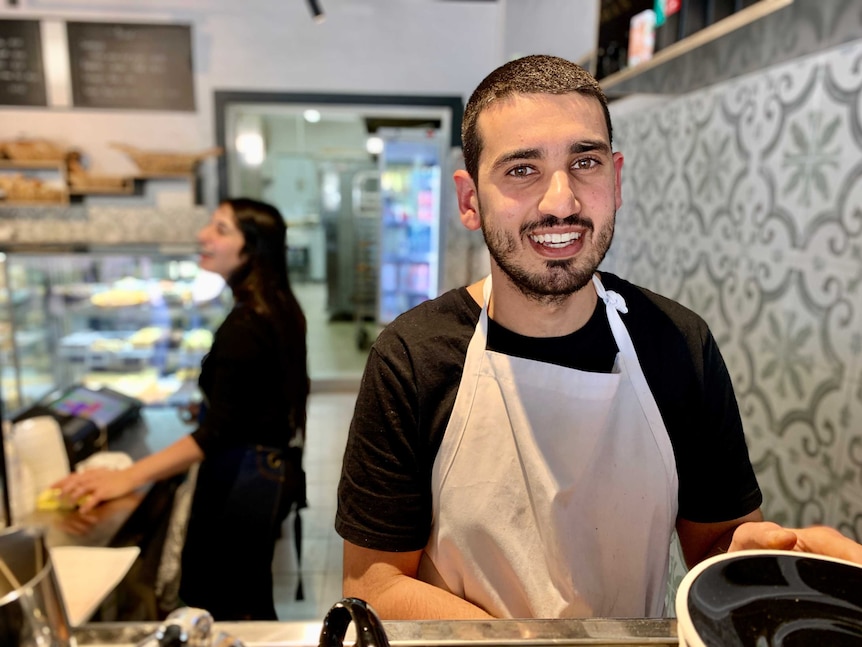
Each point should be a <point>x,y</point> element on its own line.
<point>412,376</point>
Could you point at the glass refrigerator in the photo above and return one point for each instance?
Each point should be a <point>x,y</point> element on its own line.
<point>410,169</point>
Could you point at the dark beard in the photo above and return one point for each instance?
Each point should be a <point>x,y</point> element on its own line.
<point>562,278</point>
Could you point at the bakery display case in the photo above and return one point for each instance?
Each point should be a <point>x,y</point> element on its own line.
<point>137,320</point>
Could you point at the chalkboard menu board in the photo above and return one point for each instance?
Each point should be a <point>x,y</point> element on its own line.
<point>131,66</point>
<point>22,77</point>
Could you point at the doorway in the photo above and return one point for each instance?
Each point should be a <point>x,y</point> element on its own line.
<point>332,164</point>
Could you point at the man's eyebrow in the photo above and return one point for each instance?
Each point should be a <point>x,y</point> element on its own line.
<point>515,155</point>
<point>590,145</point>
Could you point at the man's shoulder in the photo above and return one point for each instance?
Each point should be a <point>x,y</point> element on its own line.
<point>452,313</point>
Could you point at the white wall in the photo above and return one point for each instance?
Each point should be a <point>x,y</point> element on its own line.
<point>364,46</point>
<point>568,29</point>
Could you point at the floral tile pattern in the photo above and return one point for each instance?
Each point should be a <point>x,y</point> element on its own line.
<point>754,220</point>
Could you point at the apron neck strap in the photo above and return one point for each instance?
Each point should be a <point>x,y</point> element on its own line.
<point>610,298</point>
<point>486,300</point>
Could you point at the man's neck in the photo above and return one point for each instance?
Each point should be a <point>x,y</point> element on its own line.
<point>535,318</point>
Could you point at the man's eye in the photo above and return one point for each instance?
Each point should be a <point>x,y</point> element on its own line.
<point>586,163</point>
<point>521,171</point>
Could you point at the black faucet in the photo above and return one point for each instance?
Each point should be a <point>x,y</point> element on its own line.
<point>366,623</point>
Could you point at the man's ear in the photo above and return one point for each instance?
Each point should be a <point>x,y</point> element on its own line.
<point>618,179</point>
<point>468,200</point>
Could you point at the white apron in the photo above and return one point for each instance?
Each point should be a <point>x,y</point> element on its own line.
<point>554,490</point>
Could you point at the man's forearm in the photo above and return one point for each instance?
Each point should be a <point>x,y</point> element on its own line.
<point>407,598</point>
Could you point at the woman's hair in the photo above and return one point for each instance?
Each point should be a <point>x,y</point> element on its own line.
<point>261,283</point>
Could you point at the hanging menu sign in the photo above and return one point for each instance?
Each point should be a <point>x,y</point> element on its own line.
<point>22,77</point>
<point>131,66</point>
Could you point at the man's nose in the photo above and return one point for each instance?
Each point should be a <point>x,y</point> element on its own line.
<point>559,198</point>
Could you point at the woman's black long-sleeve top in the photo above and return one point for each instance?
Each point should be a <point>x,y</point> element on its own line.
<point>243,383</point>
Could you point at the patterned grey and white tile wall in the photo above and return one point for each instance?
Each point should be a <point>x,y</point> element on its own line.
<point>744,202</point>
<point>100,225</point>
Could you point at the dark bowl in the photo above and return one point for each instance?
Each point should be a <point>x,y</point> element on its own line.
<point>770,599</point>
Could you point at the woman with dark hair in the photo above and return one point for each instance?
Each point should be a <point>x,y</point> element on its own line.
<point>249,441</point>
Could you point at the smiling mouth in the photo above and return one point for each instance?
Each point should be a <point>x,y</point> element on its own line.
<point>555,240</point>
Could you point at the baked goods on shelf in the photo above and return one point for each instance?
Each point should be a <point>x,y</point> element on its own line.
<point>108,345</point>
<point>82,181</point>
<point>32,150</point>
<point>127,291</point>
<point>197,339</point>
<point>16,187</point>
<point>148,336</point>
<point>188,373</point>
<point>118,298</point>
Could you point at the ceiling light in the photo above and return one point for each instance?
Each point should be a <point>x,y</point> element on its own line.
<point>374,145</point>
<point>251,148</point>
<point>311,116</point>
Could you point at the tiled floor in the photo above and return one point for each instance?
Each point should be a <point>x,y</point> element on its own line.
<point>334,358</point>
<point>335,365</point>
<point>329,417</point>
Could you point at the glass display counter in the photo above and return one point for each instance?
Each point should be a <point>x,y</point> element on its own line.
<point>137,320</point>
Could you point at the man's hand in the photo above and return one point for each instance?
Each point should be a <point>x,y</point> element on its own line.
<point>819,540</point>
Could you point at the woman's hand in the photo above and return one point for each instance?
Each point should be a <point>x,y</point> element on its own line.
<point>90,488</point>
<point>820,540</point>
<point>89,524</point>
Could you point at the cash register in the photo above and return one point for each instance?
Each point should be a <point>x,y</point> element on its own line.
<point>87,417</point>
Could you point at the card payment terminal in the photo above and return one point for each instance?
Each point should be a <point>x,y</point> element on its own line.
<point>88,418</point>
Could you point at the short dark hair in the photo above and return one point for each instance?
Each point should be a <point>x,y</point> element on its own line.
<point>535,74</point>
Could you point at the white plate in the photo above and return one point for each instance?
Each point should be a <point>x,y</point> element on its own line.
<point>86,575</point>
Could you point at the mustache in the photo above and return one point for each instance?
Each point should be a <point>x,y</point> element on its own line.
<point>549,222</point>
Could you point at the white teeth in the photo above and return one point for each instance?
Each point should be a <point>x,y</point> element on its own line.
<point>555,239</point>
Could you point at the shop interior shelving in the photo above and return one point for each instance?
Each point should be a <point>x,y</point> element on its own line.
<point>749,14</point>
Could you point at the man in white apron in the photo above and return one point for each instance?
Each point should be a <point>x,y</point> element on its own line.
<point>509,455</point>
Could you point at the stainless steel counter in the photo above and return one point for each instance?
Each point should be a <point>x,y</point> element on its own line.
<point>467,633</point>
